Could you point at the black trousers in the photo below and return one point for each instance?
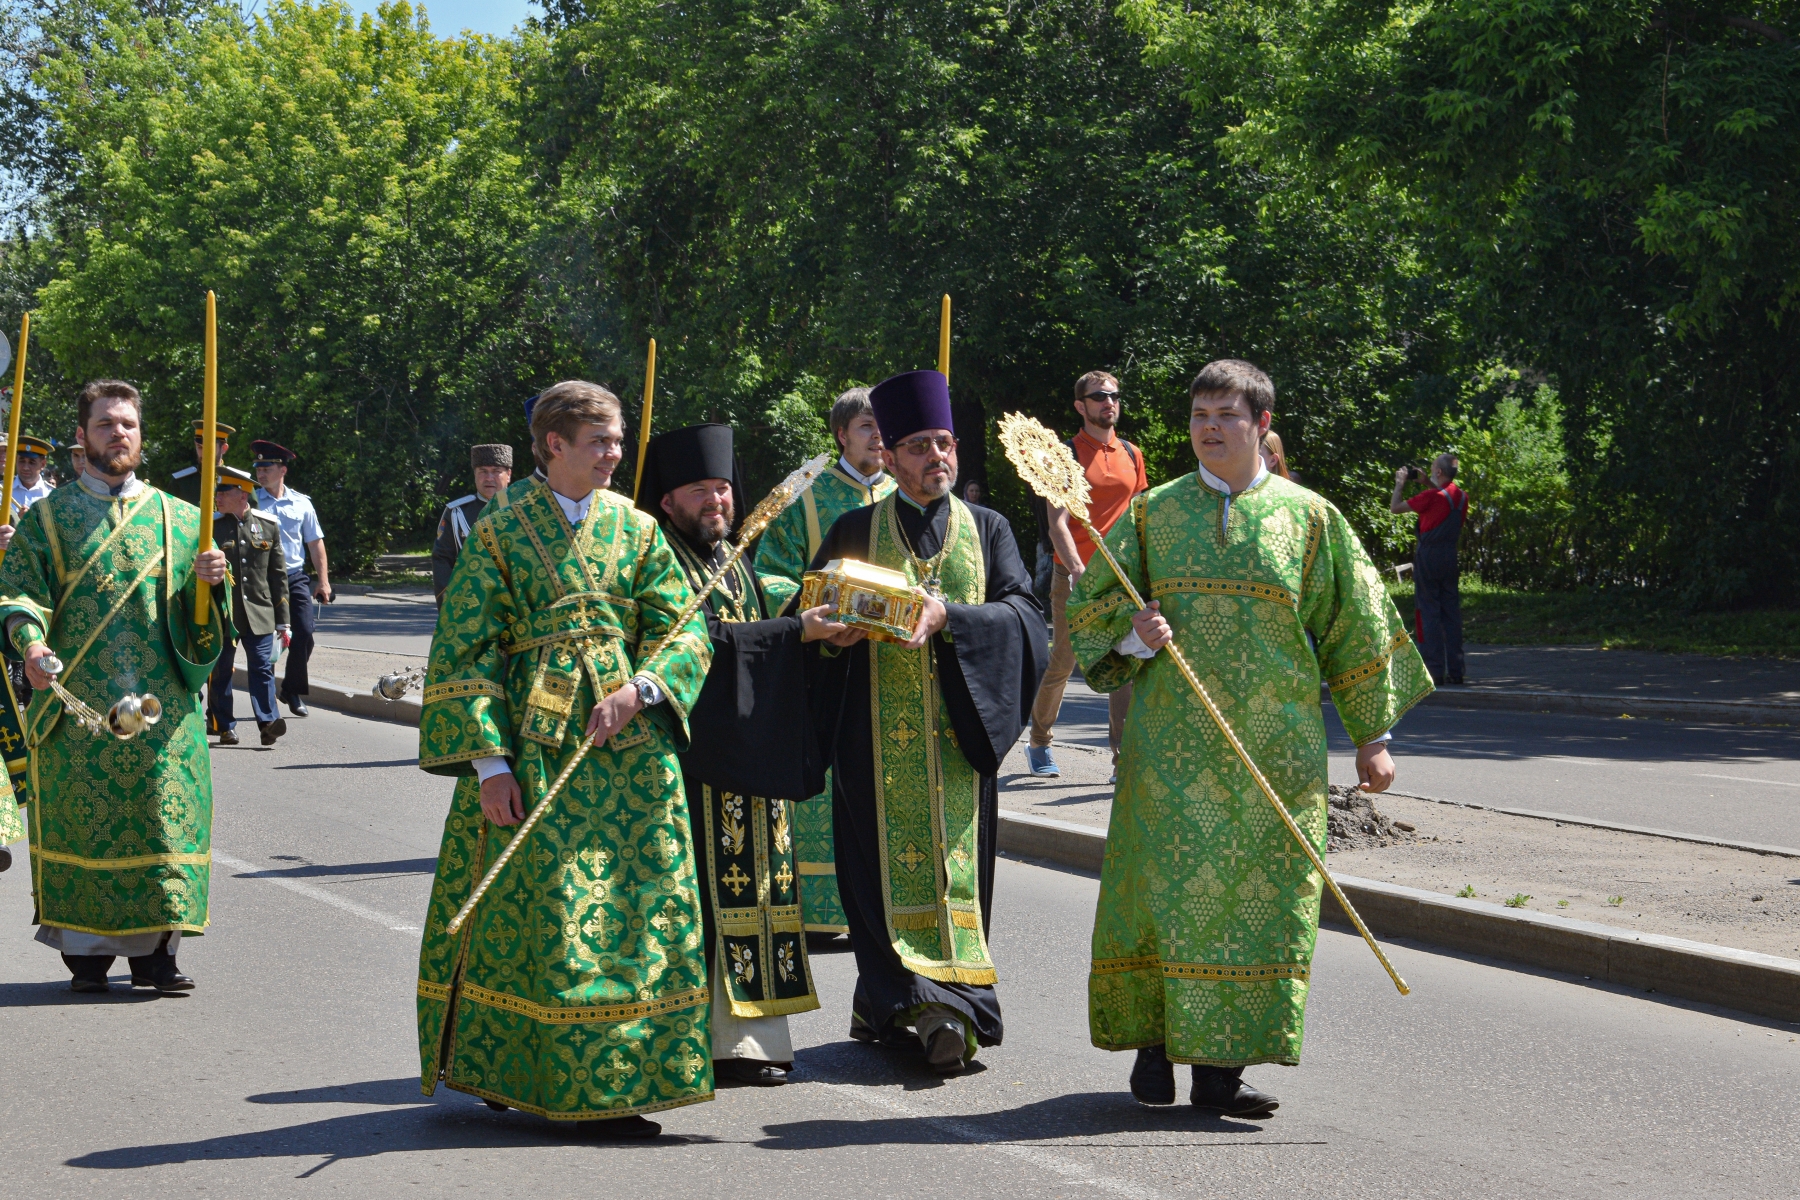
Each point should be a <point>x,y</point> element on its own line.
<point>1440,623</point>
<point>300,613</point>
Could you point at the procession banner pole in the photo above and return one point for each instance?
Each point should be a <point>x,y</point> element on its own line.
<point>637,476</point>
<point>944,337</point>
<point>1038,456</point>
<point>209,455</point>
<point>785,493</point>
<point>12,418</point>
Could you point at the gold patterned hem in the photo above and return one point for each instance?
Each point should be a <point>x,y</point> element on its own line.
<point>1232,973</point>
<point>1280,1060</point>
<point>131,862</point>
<point>463,756</point>
<point>602,1114</point>
<point>828,929</point>
<point>807,868</point>
<point>170,927</point>
<point>1372,668</point>
<point>635,1011</point>
<point>775,1008</point>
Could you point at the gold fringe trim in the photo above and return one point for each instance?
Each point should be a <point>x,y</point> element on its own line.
<point>807,868</point>
<point>124,864</point>
<point>828,929</point>
<point>944,973</point>
<point>693,997</point>
<point>774,1008</point>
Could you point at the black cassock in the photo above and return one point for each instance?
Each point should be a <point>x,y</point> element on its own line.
<point>989,671</point>
<point>752,750</point>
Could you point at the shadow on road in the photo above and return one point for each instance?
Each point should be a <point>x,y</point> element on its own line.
<point>55,992</point>
<point>400,866</point>
<point>1462,734</point>
<point>339,766</point>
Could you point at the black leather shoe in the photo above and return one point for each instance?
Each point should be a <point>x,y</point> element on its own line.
<point>1153,1077</point>
<point>297,706</point>
<point>1223,1090</point>
<point>228,737</point>
<point>272,730</point>
<point>743,1072</point>
<point>622,1128</point>
<point>5,858</point>
<point>158,971</point>
<point>88,971</point>
<point>496,1105</point>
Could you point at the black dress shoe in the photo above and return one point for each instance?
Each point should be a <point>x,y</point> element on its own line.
<point>1223,1090</point>
<point>88,971</point>
<point>5,858</point>
<point>158,971</point>
<point>1153,1077</point>
<point>622,1128</point>
<point>297,706</point>
<point>496,1105</point>
<point>228,737</point>
<point>743,1072</point>
<point>271,730</point>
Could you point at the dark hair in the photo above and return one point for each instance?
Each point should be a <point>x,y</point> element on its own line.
<point>1236,377</point>
<point>849,406</point>
<point>1091,381</point>
<point>565,408</point>
<point>106,389</point>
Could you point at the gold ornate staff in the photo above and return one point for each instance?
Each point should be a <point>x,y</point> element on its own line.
<point>637,479</point>
<point>12,420</point>
<point>209,457</point>
<point>944,337</point>
<point>785,493</point>
<point>1047,467</point>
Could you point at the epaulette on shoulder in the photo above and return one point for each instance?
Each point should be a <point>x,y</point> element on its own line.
<point>184,472</point>
<point>270,517</point>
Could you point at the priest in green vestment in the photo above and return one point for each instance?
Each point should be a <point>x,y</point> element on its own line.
<point>577,988</point>
<point>916,732</point>
<point>103,576</point>
<point>856,480</point>
<point>1208,913</point>
<point>754,759</point>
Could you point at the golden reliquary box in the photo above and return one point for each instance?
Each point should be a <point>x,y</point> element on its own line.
<point>874,599</point>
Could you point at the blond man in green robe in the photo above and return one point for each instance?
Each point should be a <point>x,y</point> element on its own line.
<point>1208,913</point>
<point>857,480</point>
<point>103,575</point>
<point>577,989</point>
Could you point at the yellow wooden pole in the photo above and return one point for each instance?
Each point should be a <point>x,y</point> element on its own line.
<point>637,478</point>
<point>209,454</point>
<point>944,338</point>
<point>12,420</point>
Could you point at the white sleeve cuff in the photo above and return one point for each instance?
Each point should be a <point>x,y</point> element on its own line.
<point>487,768</point>
<point>1133,646</point>
<point>654,694</point>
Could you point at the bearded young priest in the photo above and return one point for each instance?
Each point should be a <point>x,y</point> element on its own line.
<point>1208,912</point>
<point>752,752</point>
<point>916,733</point>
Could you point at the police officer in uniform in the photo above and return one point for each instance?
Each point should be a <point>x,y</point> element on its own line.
<point>301,537</point>
<point>185,483</point>
<point>251,540</point>
<point>493,470</point>
<point>30,486</point>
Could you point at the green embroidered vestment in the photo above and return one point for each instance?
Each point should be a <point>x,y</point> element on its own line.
<point>121,831</point>
<point>578,988</point>
<point>926,793</point>
<point>1208,914</point>
<point>782,556</point>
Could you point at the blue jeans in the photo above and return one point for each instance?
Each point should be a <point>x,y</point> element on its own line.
<point>259,664</point>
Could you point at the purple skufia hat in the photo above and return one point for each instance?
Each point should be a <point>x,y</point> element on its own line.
<point>905,404</point>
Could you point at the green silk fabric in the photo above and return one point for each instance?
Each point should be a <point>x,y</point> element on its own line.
<point>1208,911</point>
<point>786,550</point>
<point>577,989</point>
<point>926,793</point>
<point>121,831</point>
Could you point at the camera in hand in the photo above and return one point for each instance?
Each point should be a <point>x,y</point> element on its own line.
<point>1415,474</point>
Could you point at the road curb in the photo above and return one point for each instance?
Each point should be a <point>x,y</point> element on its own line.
<point>1743,712</point>
<point>341,699</point>
<point>1763,984</point>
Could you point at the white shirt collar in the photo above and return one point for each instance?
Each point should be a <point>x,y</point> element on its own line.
<point>575,510</point>
<point>1219,485</point>
<point>97,486</point>
<point>867,481</point>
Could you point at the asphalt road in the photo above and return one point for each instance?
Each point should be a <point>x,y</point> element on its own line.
<point>292,1070</point>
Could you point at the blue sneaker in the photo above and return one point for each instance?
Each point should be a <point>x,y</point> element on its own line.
<point>1041,764</point>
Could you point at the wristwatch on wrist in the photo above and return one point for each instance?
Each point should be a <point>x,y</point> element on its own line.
<point>646,691</point>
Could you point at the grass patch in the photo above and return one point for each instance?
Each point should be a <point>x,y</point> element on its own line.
<point>1614,619</point>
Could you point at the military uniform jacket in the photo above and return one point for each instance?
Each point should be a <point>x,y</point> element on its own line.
<point>253,549</point>
<point>452,532</point>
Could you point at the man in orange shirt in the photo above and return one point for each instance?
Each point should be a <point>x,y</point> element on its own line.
<point>1115,473</point>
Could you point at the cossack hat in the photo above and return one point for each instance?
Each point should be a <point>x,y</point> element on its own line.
<point>221,430</point>
<point>683,456</point>
<point>272,453</point>
<point>236,477</point>
<point>491,455</point>
<point>905,404</point>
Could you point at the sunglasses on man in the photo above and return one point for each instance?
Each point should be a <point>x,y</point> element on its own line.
<point>1103,397</point>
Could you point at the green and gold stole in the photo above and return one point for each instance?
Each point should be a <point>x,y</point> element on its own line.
<point>926,793</point>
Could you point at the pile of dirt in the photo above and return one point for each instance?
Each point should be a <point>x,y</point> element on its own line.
<point>1352,822</point>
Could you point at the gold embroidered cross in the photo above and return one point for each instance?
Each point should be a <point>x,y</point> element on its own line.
<point>785,876</point>
<point>1233,852</point>
<point>1227,945</point>
<point>735,879</point>
<point>664,848</point>
<point>1177,849</point>
<point>8,739</point>
<point>1287,856</point>
<point>911,857</point>
<point>1230,1037</point>
<point>664,920</point>
<point>904,734</point>
<point>616,1069</point>
<point>688,1065</point>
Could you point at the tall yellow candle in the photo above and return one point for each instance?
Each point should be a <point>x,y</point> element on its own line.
<point>637,477</point>
<point>944,338</point>
<point>209,454</point>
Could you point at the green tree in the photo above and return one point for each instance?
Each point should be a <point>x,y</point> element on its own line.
<point>352,190</point>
